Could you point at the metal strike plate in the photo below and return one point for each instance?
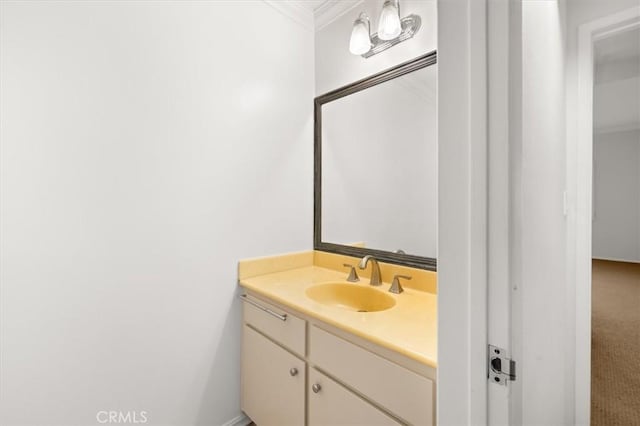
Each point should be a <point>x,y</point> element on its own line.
<point>502,369</point>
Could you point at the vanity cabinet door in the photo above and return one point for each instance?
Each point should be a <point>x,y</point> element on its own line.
<point>273,382</point>
<point>330,404</point>
<point>404,393</point>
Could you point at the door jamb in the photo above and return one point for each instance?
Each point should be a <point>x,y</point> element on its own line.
<point>462,209</point>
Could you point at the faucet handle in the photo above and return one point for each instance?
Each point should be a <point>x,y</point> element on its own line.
<point>353,275</point>
<point>396,287</point>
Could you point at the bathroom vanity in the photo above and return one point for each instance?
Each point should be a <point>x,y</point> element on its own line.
<point>319,350</point>
<point>319,346</point>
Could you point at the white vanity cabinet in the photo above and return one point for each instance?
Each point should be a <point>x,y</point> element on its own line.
<point>299,371</point>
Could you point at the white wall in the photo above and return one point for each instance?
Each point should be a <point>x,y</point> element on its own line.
<point>145,148</point>
<point>545,293</point>
<point>539,287</point>
<point>616,195</point>
<point>336,66</point>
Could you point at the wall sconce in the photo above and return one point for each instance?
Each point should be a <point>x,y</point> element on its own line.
<point>391,30</point>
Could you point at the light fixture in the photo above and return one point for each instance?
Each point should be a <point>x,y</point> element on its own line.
<point>389,26</point>
<point>360,42</point>
<point>391,30</point>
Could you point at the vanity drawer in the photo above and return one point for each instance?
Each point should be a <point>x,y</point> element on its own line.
<point>283,327</point>
<point>403,392</point>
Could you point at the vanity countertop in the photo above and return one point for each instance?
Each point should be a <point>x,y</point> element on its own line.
<point>409,327</point>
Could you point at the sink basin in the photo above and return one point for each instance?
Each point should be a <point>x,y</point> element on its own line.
<point>352,297</point>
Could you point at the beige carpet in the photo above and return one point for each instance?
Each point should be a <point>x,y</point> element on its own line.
<point>615,344</point>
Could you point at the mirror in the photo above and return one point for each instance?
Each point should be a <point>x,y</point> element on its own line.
<point>376,166</point>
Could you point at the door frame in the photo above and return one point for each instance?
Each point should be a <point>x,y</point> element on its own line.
<point>580,171</point>
<point>462,213</point>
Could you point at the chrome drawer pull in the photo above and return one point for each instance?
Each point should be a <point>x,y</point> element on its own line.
<point>282,317</point>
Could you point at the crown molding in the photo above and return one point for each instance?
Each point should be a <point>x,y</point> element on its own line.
<point>313,18</point>
<point>330,10</point>
<point>294,10</point>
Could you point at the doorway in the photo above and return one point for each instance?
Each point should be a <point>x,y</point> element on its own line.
<point>615,316</point>
<point>606,172</point>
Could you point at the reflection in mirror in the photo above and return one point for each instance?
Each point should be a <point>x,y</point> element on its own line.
<point>379,166</point>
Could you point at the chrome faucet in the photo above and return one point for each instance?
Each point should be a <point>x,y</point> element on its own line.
<point>375,269</point>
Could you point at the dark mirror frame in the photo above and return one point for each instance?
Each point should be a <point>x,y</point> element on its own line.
<point>382,255</point>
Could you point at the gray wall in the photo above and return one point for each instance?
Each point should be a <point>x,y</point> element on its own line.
<point>616,195</point>
<point>616,149</point>
<point>145,148</point>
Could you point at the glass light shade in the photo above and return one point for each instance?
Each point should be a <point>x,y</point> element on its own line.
<point>360,42</point>
<point>389,26</point>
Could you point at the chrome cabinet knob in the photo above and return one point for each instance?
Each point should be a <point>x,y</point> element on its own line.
<point>316,388</point>
<point>293,371</point>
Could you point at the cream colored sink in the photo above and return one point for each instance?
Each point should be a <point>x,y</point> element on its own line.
<point>352,297</point>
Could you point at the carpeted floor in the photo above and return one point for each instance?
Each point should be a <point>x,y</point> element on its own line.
<point>615,344</point>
